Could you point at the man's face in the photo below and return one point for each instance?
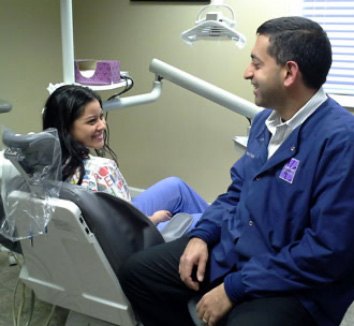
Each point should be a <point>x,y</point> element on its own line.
<point>265,75</point>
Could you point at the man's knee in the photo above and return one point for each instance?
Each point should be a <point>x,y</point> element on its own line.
<point>123,273</point>
<point>271,311</point>
<point>127,271</point>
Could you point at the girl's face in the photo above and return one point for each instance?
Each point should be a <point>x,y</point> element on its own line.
<point>89,128</point>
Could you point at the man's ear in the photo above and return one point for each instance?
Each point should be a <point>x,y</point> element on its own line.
<point>291,71</point>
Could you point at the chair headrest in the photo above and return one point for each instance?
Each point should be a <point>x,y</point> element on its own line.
<point>35,152</point>
<point>33,166</point>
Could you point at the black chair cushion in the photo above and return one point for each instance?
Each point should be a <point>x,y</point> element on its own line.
<point>120,228</point>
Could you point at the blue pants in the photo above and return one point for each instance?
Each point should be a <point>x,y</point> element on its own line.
<point>171,194</point>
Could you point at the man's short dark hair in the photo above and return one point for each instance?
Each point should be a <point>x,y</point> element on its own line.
<point>301,40</point>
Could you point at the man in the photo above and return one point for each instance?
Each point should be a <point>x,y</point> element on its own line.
<point>278,247</point>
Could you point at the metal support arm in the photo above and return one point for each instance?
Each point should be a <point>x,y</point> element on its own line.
<point>194,84</point>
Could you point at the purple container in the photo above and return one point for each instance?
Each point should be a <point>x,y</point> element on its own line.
<point>97,72</point>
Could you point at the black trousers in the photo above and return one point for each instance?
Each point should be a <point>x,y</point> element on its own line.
<point>152,284</point>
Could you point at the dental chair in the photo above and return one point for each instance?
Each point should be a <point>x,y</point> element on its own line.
<point>71,257</point>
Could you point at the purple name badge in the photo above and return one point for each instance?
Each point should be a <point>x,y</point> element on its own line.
<point>288,172</point>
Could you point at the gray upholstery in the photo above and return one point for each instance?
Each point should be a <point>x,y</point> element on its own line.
<point>177,226</point>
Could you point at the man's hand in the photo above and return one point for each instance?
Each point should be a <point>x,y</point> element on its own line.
<point>195,255</point>
<point>214,305</point>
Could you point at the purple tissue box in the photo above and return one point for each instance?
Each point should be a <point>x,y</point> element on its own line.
<point>97,72</point>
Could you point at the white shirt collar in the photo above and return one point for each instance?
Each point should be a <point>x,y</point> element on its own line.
<point>281,130</point>
<point>300,116</point>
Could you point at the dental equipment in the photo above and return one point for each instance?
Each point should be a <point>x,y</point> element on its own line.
<point>211,24</point>
<point>163,70</point>
<point>194,84</point>
<point>4,106</point>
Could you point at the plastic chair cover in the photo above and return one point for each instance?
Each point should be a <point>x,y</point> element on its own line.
<point>31,164</point>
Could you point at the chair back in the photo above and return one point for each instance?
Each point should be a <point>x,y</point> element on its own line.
<point>73,262</point>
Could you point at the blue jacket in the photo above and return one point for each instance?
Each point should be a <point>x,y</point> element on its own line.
<point>286,225</point>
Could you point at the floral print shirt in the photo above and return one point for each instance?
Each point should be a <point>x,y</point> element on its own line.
<point>103,174</point>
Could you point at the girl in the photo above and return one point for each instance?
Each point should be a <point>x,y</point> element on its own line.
<point>76,112</point>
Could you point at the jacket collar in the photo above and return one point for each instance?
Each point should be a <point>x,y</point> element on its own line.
<point>290,147</point>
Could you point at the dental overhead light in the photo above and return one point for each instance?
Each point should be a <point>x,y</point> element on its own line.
<point>213,24</point>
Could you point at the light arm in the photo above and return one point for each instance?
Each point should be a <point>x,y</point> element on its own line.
<point>4,106</point>
<point>66,16</point>
<point>204,89</point>
<point>194,84</point>
<point>124,102</point>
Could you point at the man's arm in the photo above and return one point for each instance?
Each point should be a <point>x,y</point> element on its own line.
<point>208,228</point>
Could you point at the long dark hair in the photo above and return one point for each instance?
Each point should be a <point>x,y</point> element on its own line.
<point>62,108</point>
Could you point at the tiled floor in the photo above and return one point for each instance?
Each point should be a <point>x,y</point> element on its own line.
<point>8,281</point>
<point>41,312</point>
